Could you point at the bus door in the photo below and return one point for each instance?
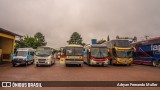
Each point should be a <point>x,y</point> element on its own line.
<point>62,55</point>
<point>156,52</point>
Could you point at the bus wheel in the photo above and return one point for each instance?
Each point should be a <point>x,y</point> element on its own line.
<point>32,61</point>
<point>110,62</point>
<point>66,65</point>
<point>13,65</point>
<point>154,63</point>
<point>37,65</point>
<point>158,63</point>
<point>26,63</point>
<point>79,65</point>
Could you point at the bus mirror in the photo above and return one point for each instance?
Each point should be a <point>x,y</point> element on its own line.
<point>13,55</point>
<point>28,56</point>
<point>84,52</point>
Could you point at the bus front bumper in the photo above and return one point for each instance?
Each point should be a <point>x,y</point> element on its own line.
<point>73,62</point>
<point>43,63</point>
<point>93,62</point>
<point>18,62</point>
<point>124,61</point>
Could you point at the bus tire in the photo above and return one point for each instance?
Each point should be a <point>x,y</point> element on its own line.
<point>79,65</point>
<point>37,65</point>
<point>110,62</point>
<point>13,65</point>
<point>32,61</point>
<point>158,65</point>
<point>26,63</point>
<point>154,63</point>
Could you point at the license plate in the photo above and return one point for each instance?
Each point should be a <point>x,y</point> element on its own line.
<point>18,63</point>
<point>99,63</point>
<point>41,62</point>
<point>126,63</point>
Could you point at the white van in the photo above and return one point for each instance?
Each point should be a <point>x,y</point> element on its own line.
<point>44,56</point>
<point>23,56</point>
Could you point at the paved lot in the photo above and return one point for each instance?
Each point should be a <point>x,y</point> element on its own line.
<point>59,72</point>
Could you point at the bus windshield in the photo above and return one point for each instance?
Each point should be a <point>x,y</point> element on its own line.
<point>99,52</point>
<point>21,53</point>
<point>124,54</point>
<point>74,51</point>
<point>121,43</point>
<point>43,52</point>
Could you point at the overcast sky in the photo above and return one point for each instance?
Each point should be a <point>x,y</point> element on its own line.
<point>58,19</point>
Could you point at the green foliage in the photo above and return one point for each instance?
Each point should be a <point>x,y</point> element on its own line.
<point>40,39</point>
<point>134,39</point>
<point>108,39</point>
<point>101,41</point>
<point>34,42</point>
<point>75,39</point>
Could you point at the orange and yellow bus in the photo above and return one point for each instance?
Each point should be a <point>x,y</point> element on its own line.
<point>120,51</point>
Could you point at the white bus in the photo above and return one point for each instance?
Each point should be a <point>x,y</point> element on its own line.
<point>23,56</point>
<point>44,56</point>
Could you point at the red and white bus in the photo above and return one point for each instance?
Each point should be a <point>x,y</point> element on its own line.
<point>96,54</point>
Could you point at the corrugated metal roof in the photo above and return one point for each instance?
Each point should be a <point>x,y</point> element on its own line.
<point>9,32</point>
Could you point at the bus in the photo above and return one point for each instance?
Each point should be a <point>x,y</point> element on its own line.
<point>71,54</point>
<point>23,56</point>
<point>96,54</point>
<point>44,56</point>
<point>147,52</point>
<point>120,52</point>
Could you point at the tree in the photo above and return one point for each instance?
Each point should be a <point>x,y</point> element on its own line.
<point>108,39</point>
<point>40,39</point>
<point>20,44</point>
<point>117,37</point>
<point>101,41</point>
<point>75,39</point>
<point>134,39</point>
<point>31,42</point>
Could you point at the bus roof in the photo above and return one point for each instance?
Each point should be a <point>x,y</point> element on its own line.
<point>98,45</point>
<point>25,49</point>
<point>119,39</point>
<point>43,47</point>
<point>155,40</point>
<point>74,45</point>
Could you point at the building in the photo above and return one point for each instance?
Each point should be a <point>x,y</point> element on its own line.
<point>7,42</point>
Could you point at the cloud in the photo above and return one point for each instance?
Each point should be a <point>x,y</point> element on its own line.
<point>58,19</point>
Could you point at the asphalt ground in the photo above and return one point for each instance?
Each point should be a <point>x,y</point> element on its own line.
<point>58,72</point>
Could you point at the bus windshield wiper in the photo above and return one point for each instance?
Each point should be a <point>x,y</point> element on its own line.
<point>101,53</point>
